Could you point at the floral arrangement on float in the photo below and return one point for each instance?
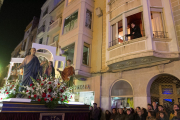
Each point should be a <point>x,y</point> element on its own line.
<point>49,91</point>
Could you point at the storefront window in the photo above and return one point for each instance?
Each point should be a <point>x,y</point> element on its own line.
<point>69,52</point>
<point>70,22</point>
<point>84,97</point>
<point>121,102</point>
<point>86,54</point>
<point>121,95</point>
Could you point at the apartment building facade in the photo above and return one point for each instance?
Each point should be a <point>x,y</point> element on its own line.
<point>139,71</point>
<point>112,69</point>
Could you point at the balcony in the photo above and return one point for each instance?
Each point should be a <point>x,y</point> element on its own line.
<point>41,31</point>
<point>53,44</point>
<point>126,54</point>
<point>55,26</point>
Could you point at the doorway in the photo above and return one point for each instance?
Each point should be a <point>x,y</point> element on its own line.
<point>165,90</point>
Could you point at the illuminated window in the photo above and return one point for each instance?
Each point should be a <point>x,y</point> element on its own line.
<point>70,22</point>
<point>56,38</point>
<point>86,54</point>
<point>117,33</point>
<point>158,26</point>
<point>137,19</point>
<point>69,52</point>
<point>121,95</point>
<point>167,89</point>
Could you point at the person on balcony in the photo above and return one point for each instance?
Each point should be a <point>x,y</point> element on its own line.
<point>50,70</point>
<point>135,31</point>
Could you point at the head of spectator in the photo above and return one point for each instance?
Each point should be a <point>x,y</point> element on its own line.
<point>161,114</point>
<point>151,113</point>
<point>132,110</point>
<point>139,112</point>
<point>114,110</point>
<point>107,112</point>
<point>128,111</point>
<point>120,111</point>
<point>137,109</point>
<point>144,111</point>
<point>175,107</point>
<point>94,105</point>
<point>160,108</point>
<point>133,25</point>
<point>154,105</point>
<point>149,107</point>
<point>91,108</point>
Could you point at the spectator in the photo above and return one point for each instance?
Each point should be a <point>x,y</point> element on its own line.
<point>137,109</point>
<point>95,112</point>
<point>163,116</point>
<point>132,111</point>
<point>151,115</point>
<point>139,115</point>
<point>91,110</point>
<point>124,110</point>
<point>107,115</point>
<point>117,111</point>
<point>113,115</point>
<point>99,117</point>
<point>120,115</point>
<point>129,116</point>
<point>175,107</point>
<point>160,109</point>
<point>149,107</point>
<point>144,112</point>
<point>176,115</point>
<point>155,108</point>
<point>135,31</point>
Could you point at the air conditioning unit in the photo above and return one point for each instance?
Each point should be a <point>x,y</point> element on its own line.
<point>98,12</point>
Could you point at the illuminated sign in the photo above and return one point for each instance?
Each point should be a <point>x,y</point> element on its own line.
<point>80,87</point>
<point>167,89</point>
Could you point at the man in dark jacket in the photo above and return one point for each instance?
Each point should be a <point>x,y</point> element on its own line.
<point>129,116</point>
<point>120,115</point>
<point>135,31</point>
<point>113,115</point>
<point>95,112</point>
<point>139,115</point>
<point>155,108</point>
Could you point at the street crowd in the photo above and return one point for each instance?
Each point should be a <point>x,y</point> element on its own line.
<point>153,112</point>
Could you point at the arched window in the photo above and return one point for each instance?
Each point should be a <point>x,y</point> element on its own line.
<point>121,95</point>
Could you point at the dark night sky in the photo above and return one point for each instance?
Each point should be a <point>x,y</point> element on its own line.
<point>15,15</point>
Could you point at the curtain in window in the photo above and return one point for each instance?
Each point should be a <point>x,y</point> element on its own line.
<point>157,25</point>
<point>113,34</point>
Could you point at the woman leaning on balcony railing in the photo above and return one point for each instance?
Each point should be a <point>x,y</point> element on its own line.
<point>135,31</point>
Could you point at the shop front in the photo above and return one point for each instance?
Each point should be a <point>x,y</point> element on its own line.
<point>87,92</point>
